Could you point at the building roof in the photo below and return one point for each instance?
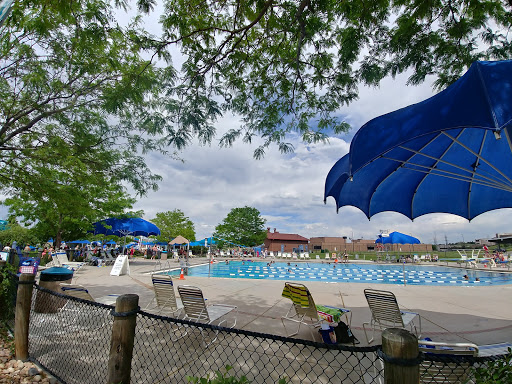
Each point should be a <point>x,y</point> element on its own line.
<point>285,236</point>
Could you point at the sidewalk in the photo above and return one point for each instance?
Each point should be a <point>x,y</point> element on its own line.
<point>480,315</point>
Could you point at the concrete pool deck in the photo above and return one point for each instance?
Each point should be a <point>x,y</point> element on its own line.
<point>476,314</point>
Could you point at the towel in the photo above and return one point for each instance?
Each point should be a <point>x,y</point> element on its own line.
<point>299,295</point>
<point>329,314</point>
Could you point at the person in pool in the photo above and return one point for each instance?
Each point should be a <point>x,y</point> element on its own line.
<point>466,277</point>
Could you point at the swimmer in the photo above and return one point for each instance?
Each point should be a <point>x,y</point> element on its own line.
<point>466,277</point>
<point>477,279</point>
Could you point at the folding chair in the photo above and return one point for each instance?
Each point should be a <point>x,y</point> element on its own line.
<point>303,306</point>
<point>387,314</point>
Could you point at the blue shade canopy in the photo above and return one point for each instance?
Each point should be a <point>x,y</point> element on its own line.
<point>451,153</point>
<point>80,242</point>
<point>110,242</point>
<point>203,243</point>
<point>397,238</point>
<point>124,227</point>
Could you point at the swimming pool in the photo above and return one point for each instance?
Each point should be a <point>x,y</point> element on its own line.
<point>351,273</point>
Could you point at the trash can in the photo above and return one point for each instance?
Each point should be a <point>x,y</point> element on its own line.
<point>50,279</point>
<point>163,255</point>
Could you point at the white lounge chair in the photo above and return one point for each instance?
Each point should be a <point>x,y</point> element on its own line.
<point>432,371</point>
<point>195,309</point>
<point>387,314</point>
<point>80,292</point>
<point>443,363</point>
<point>62,261</point>
<point>165,297</point>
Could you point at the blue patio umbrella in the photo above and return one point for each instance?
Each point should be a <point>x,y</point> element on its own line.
<point>451,153</point>
<point>397,238</point>
<point>80,242</point>
<point>127,226</point>
<point>133,226</point>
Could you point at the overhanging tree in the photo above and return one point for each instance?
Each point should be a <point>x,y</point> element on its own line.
<point>243,226</point>
<point>173,224</point>
<point>66,70</point>
<point>288,66</point>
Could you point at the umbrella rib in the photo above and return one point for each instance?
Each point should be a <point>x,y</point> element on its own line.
<point>452,175</point>
<point>455,176</point>
<point>482,180</point>
<point>430,171</point>
<point>491,179</point>
<point>474,171</point>
<point>390,173</point>
<point>478,156</point>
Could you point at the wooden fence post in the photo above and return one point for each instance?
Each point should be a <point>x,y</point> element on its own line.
<point>22,315</point>
<point>123,335</point>
<point>400,344</point>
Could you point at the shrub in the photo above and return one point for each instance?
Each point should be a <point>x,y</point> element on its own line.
<point>7,291</point>
<point>496,372</point>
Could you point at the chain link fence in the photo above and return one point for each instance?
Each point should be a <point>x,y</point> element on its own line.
<point>71,337</point>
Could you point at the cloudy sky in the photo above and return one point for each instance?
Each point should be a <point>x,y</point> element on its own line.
<point>288,189</point>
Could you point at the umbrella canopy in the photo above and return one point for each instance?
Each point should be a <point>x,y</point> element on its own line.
<point>451,153</point>
<point>110,242</point>
<point>204,243</point>
<point>397,238</point>
<point>80,242</point>
<point>123,227</point>
<point>179,240</point>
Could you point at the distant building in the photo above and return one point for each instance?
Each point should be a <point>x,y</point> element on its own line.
<point>333,244</point>
<point>501,238</point>
<point>285,242</point>
<point>340,244</point>
<point>483,241</point>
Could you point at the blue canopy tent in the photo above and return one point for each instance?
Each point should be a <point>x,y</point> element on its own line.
<point>397,238</point>
<point>451,153</point>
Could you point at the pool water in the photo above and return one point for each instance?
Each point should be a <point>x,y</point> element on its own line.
<point>351,273</point>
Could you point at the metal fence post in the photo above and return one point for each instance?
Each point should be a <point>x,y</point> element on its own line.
<point>400,349</point>
<point>22,316</point>
<point>123,335</point>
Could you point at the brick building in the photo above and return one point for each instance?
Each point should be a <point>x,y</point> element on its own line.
<point>333,244</point>
<point>340,244</point>
<point>285,242</point>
